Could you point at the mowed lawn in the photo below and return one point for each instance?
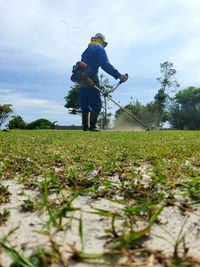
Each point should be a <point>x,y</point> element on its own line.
<point>145,172</point>
<point>31,153</point>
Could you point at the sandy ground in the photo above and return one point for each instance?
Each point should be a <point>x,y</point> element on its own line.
<point>173,223</point>
<point>25,238</point>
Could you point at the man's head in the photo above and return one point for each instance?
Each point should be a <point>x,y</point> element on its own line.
<point>101,38</point>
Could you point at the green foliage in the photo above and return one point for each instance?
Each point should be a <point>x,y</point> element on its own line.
<point>157,108</point>
<point>185,112</point>
<point>105,116</point>
<point>16,122</point>
<point>73,100</point>
<point>105,83</point>
<point>145,113</point>
<point>103,121</point>
<point>40,124</point>
<point>5,112</point>
<point>167,79</point>
<point>162,98</point>
<point>155,113</point>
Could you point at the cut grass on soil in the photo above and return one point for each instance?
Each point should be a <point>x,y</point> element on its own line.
<point>144,172</point>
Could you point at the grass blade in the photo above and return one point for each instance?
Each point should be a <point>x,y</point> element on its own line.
<point>16,257</point>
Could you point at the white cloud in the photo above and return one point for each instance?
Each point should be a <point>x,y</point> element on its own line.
<point>60,30</point>
<point>51,35</point>
<point>188,61</point>
<point>31,108</point>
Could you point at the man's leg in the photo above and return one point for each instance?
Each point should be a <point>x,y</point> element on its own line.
<point>84,101</point>
<point>95,104</point>
<point>85,121</point>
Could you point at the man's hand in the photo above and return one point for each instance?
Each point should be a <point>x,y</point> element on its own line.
<point>123,77</point>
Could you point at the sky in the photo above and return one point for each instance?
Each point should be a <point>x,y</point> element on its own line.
<point>40,41</point>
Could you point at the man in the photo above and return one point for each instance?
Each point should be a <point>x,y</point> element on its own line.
<point>95,56</point>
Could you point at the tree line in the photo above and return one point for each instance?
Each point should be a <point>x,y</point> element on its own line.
<point>179,108</point>
<point>17,122</point>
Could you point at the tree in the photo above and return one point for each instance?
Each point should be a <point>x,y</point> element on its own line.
<point>158,108</point>
<point>185,112</point>
<point>5,112</point>
<point>162,98</point>
<point>41,124</point>
<point>142,112</point>
<point>16,122</point>
<point>105,116</point>
<point>73,100</point>
<point>167,78</point>
<point>104,121</point>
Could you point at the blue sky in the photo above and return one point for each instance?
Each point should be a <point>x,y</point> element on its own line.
<point>40,40</point>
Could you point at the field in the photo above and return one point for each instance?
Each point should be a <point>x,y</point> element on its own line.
<point>73,198</point>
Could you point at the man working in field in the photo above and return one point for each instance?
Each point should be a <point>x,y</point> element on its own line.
<point>95,56</point>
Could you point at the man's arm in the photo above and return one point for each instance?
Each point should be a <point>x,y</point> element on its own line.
<point>106,66</point>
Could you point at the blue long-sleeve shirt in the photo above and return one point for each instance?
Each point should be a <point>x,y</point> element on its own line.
<point>95,56</point>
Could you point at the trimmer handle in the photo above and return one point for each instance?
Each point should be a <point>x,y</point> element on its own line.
<point>127,78</point>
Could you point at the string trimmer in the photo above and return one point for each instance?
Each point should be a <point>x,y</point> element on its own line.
<point>106,94</point>
<point>81,71</point>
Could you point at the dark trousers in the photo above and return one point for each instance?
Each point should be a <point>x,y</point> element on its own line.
<point>90,99</point>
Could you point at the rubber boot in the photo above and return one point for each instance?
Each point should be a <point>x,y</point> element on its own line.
<point>85,121</point>
<point>93,120</point>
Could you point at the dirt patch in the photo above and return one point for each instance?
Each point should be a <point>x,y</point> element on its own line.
<point>175,227</point>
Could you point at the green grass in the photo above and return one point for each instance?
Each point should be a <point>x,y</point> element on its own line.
<point>83,163</point>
